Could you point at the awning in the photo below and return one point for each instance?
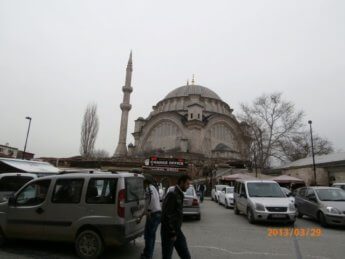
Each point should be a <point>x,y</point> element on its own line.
<point>287,179</point>
<point>235,177</point>
<point>19,165</point>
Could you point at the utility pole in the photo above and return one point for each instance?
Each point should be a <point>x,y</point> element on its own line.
<point>312,149</point>
<point>27,135</point>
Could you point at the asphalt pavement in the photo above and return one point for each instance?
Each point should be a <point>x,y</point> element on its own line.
<point>219,234</point>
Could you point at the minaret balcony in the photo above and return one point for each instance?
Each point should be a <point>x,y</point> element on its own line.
<point>127,89</point>
<point>125,106</point>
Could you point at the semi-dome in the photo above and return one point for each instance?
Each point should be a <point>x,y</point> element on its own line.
<point>187,90</point>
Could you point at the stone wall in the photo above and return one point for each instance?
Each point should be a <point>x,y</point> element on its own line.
<point>307,174</point>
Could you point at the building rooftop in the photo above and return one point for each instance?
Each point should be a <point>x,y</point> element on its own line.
<point>319,160</point>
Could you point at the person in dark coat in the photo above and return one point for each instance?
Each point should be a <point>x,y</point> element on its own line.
<point>171,221</point>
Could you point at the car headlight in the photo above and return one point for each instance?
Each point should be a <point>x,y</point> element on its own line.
<point>259,206</point>
<point>292,207</point>
<point>332,210</point>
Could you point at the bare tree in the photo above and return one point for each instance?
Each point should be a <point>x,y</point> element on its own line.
<point>100,154</point>
<point>89,130</point>
<point>271,120</point>
<point>299,146</point>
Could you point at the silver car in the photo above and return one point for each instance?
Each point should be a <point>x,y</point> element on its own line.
<point>263,201</point>
<point>191,202</point>
<point>91,210</point>
<point>226,197</point>
<point>216,191</point>
<point>326,204</point>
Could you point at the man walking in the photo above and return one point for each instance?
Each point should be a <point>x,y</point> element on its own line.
<point>172,217</point>
<point>153,217</point>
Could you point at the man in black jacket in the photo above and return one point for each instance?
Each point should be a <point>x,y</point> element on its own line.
<point>172,216</point>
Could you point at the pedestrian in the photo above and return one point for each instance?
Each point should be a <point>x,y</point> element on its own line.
<point>153,216</point>
<point>202,192</point>
<point>172,216</point>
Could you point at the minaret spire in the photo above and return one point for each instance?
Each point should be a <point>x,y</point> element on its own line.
<point>121,149</point>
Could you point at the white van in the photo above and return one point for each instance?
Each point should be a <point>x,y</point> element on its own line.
<point>91,210</point>
<point>263,200</point>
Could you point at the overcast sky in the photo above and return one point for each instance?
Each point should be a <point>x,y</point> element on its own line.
<point>57,56</point>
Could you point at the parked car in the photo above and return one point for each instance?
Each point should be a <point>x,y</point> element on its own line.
<point>216,190</point>
<point>339,185</point>
<point>91,210</point>
<point>325,204</point>
<point>191,202</point>
<point>226,197</point>
<point>12,182</point>
<point>263,201</point>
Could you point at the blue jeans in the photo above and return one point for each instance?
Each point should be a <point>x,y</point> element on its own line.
<point>150,234</point>
<point>168,245</point>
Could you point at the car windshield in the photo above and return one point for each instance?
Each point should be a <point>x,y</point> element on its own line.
<point>230,190</point>
<point>331,194</point>
<point>189,192</point>
<point>342,186</point>
<point>220,187</point>
<point>13,183</point>
<point>265,190</point>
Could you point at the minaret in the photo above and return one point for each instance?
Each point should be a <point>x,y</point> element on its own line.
<point>121,149</point>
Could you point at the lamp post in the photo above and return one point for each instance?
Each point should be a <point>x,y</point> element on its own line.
<point>27,135</point>
<point>312,149</point>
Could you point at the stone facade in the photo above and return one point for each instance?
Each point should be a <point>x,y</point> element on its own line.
<point>191,119</point>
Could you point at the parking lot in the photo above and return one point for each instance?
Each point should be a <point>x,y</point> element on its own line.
<point>219,234</point>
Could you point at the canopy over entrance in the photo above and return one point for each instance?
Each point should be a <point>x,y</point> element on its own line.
<point>287,179</point>
<point>8,165</point>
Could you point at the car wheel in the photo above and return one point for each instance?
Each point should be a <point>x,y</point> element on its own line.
<point>250,216</point>
<point>299,214</point>
<point>236,211</point>
<point>226,204</point>
<point>291,223</point>
<point>322,219</point>
<point>89,245</point>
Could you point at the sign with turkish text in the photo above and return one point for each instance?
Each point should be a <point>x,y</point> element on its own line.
<point>167,162</point>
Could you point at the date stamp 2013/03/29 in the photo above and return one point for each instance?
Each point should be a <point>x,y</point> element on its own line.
<point>294,232</point>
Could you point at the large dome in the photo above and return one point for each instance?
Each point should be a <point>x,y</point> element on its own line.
<point>187,90</point>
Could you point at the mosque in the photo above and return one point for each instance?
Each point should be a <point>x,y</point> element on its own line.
<point>190,120</point>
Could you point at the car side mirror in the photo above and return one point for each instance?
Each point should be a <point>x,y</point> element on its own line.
<point>243,195</point>
<point>12,200</point>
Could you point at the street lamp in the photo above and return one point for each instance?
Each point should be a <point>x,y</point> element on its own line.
<point>312,149</point>
<point>27,135</point>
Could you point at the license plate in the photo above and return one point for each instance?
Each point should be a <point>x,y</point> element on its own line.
<point>185,203</point>
<point>278,216</point>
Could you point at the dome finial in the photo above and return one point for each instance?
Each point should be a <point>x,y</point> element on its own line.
<point>193,79</point>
